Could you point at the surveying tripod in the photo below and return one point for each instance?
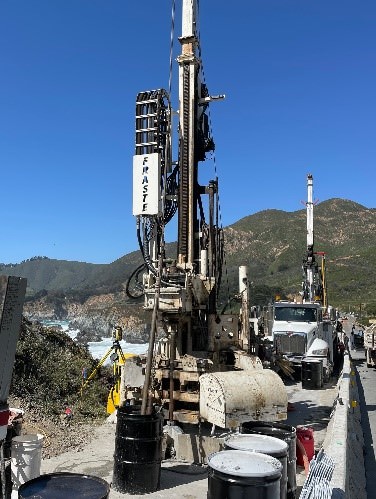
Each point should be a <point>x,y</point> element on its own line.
<point>117,336</point>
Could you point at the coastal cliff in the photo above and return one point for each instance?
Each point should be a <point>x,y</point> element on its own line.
<point>95,317</point>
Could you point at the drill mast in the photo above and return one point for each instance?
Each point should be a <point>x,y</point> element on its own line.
<point>313,275</point>
<point>182,292</point>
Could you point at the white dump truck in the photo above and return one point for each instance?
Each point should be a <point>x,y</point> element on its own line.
<point>370,345</point>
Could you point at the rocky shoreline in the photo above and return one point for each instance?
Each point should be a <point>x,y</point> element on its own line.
<point>95,318</point>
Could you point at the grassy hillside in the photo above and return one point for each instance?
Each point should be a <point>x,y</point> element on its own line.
<point>272,243</point>
<point>44,273</point>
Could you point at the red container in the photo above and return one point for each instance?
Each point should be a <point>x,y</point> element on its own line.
<point>305,436</point>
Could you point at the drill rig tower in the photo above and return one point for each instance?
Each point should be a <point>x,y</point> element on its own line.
<point>312,285</point>
<point>204,357</point>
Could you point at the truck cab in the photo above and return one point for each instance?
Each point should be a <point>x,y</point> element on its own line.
<point>295,327</point>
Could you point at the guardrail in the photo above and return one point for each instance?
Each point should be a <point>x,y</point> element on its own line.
<point>344,439</point>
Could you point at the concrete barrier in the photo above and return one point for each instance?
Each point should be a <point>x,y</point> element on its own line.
<point>344,439</point>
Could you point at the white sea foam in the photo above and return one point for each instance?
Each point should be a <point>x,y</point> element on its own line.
<point>64,325</point>
<point>98,348</point>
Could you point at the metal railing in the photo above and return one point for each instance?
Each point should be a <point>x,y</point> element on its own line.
<point>317,484</point>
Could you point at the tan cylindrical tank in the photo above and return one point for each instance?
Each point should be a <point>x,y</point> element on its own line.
<point>230,398</point>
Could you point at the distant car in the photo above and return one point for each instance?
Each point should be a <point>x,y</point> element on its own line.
<point>359,338</point>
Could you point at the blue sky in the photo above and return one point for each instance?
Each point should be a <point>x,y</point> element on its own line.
<point>299,78</point>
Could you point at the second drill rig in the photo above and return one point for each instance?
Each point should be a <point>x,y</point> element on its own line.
<point>313,284</point>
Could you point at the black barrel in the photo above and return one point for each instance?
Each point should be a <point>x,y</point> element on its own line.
<point>264,444</point>
<point>312,374</point>
<point>241,474</point>
<point>64,486</point>
<point>283,432</point>
<point>138,451</point>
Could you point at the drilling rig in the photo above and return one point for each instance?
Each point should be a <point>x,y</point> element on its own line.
<point>299,328</point>
<point>203,367</point>
<point>313,289</point>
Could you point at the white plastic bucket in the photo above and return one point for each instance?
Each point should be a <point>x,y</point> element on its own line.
<point>26,458</point>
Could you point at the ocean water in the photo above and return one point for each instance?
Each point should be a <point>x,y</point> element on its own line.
<point>64,326</point>
<point>98,348</point>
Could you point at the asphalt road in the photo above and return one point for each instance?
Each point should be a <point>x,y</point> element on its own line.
<point>366,382</point>
<point>367,398</point>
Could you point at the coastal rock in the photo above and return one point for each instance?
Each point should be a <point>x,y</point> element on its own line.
<point>83,336</point>
<point>95,317</point>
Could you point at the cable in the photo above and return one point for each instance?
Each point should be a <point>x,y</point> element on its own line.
<point>137,282</point>
<point>221,250</point>
<point>173,9</point>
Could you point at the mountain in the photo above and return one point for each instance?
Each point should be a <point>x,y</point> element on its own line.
<point>271,242</point>
<point>43,273</point>
<point>80,278</point>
